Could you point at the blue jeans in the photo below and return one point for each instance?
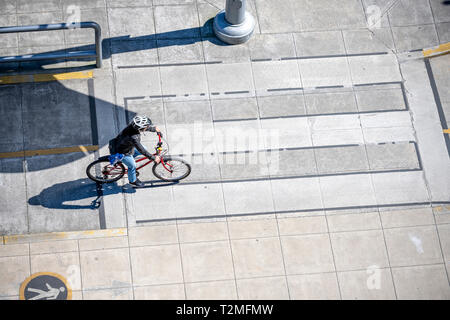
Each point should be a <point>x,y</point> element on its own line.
<point>131,164</point>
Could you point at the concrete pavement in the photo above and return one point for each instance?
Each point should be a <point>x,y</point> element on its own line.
<point>319,143</point>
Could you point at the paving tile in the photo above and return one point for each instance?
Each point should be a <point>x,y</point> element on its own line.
<point>12,250</point>
<point>393,134</point>
<point>368,41</point>
<point>410,13</point>
<point>322,286</point>
<point>243,165</point>
<point>339,137</point>
<point>8,6</point>
<point>109,294</point>
<point>277,19</point>
<point>134,52</point>
<point>132,22</point>
<point>269,288</point>
<point>180,51</point>
<point>216,290</point>
<point>392,156</point>
<point>216,50</point>
<point>407,217</point>
<point>204,167</point>
<point>341,159</point>
<point>374,11</point>
<point>241,229</point>
<point>53,246</point>
<point>24,6</point>
<point>240,136</point>
<point>378,100</point>
<point>371,284</point>
<point>286,133</point>
<point>229,109</point>
<point>421,283</point>
<point>347,190</point>
<point>67,5</point>
<point>302,225</point>
<point>152,235</point>
<point>209,231</point>
<point>207,261</point>
<point>399,187</point>
<point>281,105</point>
<point>413,246</point>
<point>66,264</point>
<point>296,162</point>
<point>296,194</point>
<point>14,271</point>
<point>38,39</point>
<point>323,103</point>
<point>257,257</point>
<point>271,46</point>
<point>156,265</point>
<point>307,254</point>
<point>195,137</point>
<point>444,239</point>
<point>103,243</point>
<point>319,43</point>
<point>374,69</point>
<point>97,273</point>
<point>248,197</point>
<point>198,200</point>
<point>331,122</point>
<point>182,80</point>
<point>178,21</point>
<point>276,75</point>
<point>353,222</point>
<point>120,3</point>
<point>164,292</point>
<point>229,77</point>
<point>441,11</point>
<point>325,72</point>
<point>443,32</point>
<point>188,112</point>
<point>359,250</point>
<point>136,83</point>
<point>415,37</point>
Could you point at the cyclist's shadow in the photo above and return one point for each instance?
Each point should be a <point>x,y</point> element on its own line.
<point>82,194</point>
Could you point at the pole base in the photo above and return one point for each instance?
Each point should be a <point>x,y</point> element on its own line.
<point>233,34</point>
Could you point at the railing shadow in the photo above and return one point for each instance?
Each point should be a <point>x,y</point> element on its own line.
<point>122,44</point>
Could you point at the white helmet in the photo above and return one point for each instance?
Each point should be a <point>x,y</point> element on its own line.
<point>141,122</point>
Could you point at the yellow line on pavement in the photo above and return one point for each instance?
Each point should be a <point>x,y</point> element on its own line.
<point>443,48</point>
<point>42,152</point>
<point>45,77</point>
<point>447,131</point>
<point>71,235</point>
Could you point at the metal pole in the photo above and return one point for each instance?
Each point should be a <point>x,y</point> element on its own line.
<point>234,25</point>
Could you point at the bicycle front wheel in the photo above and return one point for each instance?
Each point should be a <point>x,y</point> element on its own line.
<point>173,169</point>
<point>103,172</point>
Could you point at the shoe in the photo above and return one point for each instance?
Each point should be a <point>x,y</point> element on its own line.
<point>138,183</point>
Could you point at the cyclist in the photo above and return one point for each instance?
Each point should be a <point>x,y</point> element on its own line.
<point>128,143</point>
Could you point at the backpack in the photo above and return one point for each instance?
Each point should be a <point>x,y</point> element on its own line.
<point>113,146</point>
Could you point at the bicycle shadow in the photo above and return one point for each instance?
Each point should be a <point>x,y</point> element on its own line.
<point>83,194</point>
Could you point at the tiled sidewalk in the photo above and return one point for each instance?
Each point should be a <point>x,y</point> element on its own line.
<point>367,255</point>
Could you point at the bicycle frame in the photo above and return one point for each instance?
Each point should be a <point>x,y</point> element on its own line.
<point>157,153</point>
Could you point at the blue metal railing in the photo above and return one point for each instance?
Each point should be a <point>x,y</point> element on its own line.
<point>56,56</point>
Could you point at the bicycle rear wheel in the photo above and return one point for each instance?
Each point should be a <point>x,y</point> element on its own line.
<point>102,171</point>
<point>173,169</point>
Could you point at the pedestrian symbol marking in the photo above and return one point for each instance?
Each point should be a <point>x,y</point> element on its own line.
<point>45,286</point>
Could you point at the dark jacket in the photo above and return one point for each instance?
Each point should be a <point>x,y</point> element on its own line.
<point>129,139</point>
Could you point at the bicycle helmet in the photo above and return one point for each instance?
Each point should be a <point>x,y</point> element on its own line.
<point>141,122</point>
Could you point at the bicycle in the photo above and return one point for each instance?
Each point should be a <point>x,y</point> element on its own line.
<point>170,169</point>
